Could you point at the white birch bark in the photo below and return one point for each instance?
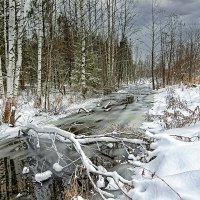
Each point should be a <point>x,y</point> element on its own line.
<point>83,51</point>
<point>11,49</point>
<point>19,47</point>
<point>11,63</point>
<point>2,95</point>
<point>83,82</point>
<point>109,43</point>
<point>112,78</point>
<point>39,71</point>
<point>39,87</point>
<point>5,33</point>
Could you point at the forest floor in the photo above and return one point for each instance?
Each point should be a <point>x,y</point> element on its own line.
<point>170,168</point>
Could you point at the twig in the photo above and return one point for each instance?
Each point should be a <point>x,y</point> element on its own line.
<point>155,175</point>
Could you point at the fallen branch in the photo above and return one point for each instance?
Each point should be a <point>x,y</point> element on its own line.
<point>85,110</point>
<point>89,166</point>
<point>107,106</point>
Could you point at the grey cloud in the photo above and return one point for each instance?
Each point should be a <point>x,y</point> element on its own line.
<point>188,9</point>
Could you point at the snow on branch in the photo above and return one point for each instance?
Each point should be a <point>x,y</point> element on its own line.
<point>89,166</point>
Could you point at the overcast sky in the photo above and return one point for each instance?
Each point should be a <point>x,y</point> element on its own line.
<point>189,10</point>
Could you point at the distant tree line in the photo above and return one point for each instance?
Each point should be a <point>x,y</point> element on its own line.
<point>174,53</point>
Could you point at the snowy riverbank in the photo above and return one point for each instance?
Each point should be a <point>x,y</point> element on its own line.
<point>169,169</point>
<point>173,170</point>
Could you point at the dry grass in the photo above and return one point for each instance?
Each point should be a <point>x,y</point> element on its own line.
<point>79,186</point>
<point>176,117</point>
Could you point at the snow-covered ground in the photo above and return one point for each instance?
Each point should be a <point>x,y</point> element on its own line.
<point>172,167</point>
<point>28,114</point>
<point>173,170</point>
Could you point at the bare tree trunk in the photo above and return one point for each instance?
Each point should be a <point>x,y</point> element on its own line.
<point>11,61</point>
<point>112,67</point>
<point>38,100</point>
<point>83,51</point>
<point>19,49</point>
<point>163,36</point>
<point>5,33</point>
<point>2,94</point>
<point>191,60</point>
<point>153,47</point>
<point>109,43</point>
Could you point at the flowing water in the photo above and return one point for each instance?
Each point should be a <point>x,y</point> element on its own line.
<point>16,153</point>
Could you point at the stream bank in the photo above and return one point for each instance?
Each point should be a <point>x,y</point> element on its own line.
<point>23,151</point>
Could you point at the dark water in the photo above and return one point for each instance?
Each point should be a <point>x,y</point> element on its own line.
<point>17,153</point>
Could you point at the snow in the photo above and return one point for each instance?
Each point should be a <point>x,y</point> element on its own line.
<point>189,96</point>
<point>111,185</point>
<point>172,170</point>
<point>131,157</point>
<point>18,196</point>
<point>25,170</point>
<point>101,182</point>
<point>110,145</point>
<point>40,177</point>
<point>78,198</point>
<point>57,167</point>
<point>28,114</point>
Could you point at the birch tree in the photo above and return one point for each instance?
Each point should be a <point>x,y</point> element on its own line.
<point>153,44</point>
<point>19,47</point>
<point>39,70</point>
<point>2,94</point>
<point>11,61</point>
<point>13,68</point>
<point>5,33</point>
<point>109,42</point>
<point>83,50</point>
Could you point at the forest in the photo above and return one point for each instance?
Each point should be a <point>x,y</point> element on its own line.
<point>118,77</point>
<point>53,47</point>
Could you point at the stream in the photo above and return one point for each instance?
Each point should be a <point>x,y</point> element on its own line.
<point>113,111</point>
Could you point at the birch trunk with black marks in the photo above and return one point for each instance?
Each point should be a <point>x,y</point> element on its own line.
<point>109,43</point>
<point>11,61</point>
<point>6,33</point>
<point>38,100</point>
<point>83,51</point>
<point>2,94</point>
<point>112,67</point>
<point>19,48</point>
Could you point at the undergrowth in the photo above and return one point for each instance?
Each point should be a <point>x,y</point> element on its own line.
<point>177,113</point>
